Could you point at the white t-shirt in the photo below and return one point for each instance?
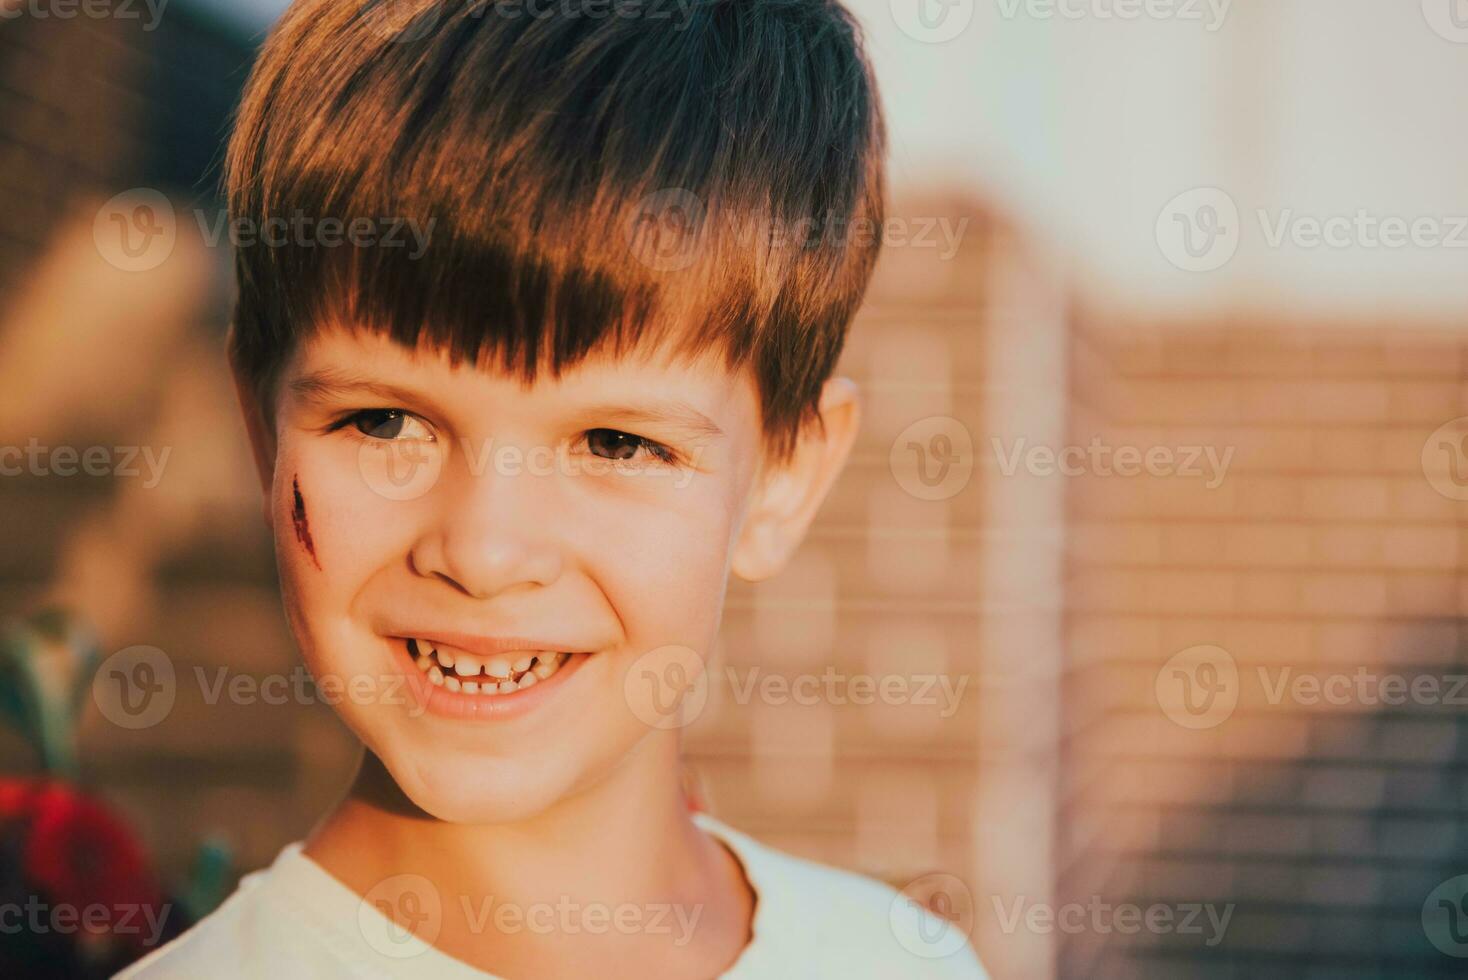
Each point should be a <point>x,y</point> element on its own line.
<point>810,922</point>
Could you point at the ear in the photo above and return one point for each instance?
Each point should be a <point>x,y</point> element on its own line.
<point>261,433</point>
<point>787,494</point>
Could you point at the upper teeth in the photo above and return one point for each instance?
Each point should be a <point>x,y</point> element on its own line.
<point>503,673</point>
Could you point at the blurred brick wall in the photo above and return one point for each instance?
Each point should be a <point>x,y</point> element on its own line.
<point>887,588</point>
<point>1328,549</point>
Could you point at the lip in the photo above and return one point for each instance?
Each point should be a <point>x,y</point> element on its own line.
<point>440,701</point>
<point>486,646</point>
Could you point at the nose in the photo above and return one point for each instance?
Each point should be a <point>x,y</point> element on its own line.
<point>490,534</point>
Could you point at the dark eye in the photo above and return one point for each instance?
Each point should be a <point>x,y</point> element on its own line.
<point>614,444</point>
<point>389,423</point>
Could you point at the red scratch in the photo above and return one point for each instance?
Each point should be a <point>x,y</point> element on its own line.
<point>298,517</point>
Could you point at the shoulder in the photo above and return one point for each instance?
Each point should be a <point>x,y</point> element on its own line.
<point>268,927</point>
<point>812,920</point>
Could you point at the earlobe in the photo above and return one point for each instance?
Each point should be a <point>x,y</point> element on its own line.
<point>261,435</point>
<point>788,494</point>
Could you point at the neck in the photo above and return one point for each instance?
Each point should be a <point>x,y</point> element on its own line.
<point>562,850</point>
<point>629,840</point>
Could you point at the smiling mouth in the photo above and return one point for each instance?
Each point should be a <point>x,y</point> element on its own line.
<point>467,673</point>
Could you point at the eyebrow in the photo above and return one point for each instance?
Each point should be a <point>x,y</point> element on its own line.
<point>321,385</point>
<point>670,413</point>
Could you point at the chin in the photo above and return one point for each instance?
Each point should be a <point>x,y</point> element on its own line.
<point>460,787</point>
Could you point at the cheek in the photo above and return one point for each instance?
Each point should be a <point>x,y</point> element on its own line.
<point>332,533</point>
<point>663,565</point>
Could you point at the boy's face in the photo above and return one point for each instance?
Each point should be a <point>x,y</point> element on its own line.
<point>596,514</point>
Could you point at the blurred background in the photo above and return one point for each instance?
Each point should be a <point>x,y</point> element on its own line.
<point>1163,477</point>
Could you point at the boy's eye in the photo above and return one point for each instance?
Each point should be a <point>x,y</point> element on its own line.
<point>615,444</point>
<point>390,423</point>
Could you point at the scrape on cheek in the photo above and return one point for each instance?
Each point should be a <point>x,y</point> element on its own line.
<point>298,518</point>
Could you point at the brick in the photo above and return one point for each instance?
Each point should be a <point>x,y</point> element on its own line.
<point>1269,498</point>
<point>1347,401</point>
<point>1266,545</point>
<point>1269,592</point>
<point>1420,547</point>
<point>1345,594</point>
<point>1348,498</point>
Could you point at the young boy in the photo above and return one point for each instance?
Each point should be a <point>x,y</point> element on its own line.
<point>509,472</point>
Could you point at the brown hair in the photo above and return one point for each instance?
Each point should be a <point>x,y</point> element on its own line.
<point>701,173</point>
